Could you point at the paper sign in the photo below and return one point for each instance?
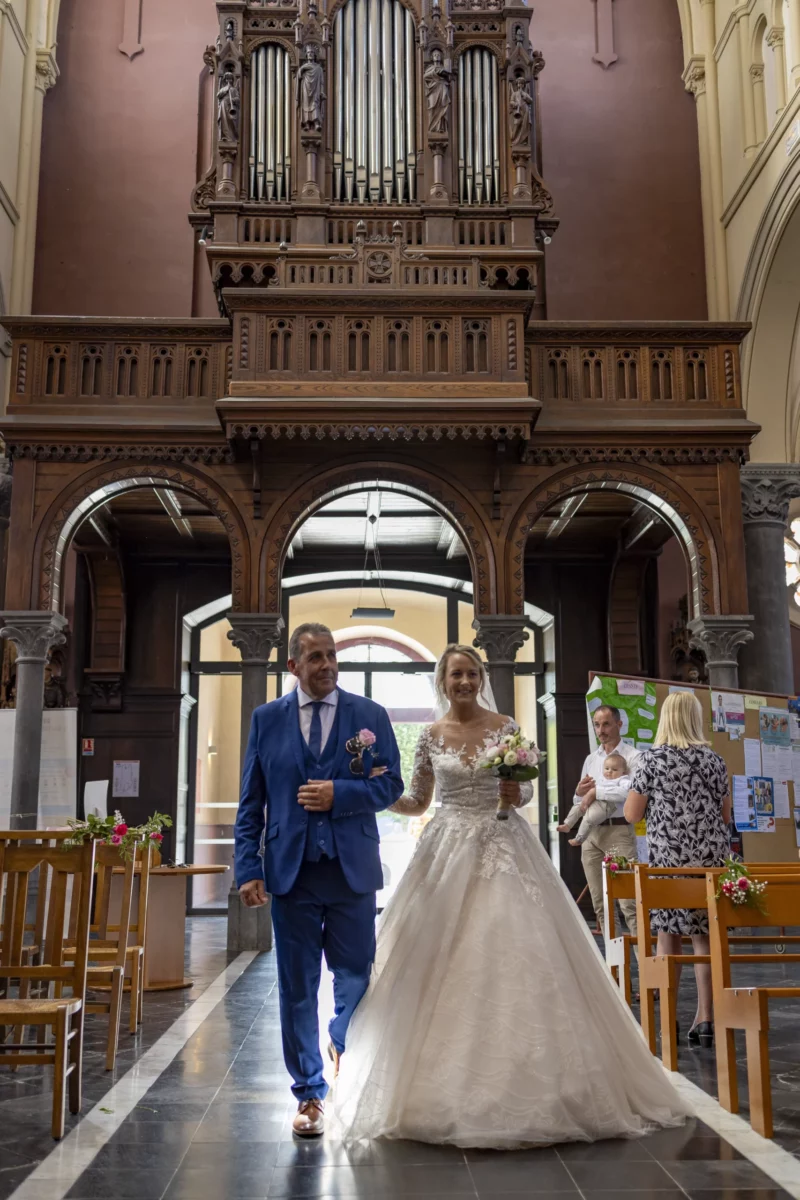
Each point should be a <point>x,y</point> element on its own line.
<point>95,798</point>
<point>781,793</point>
<point>796,770</point>
<point>87,747</point>
<point>751,702</point>
<point>752,756</point>
<point>797,826</point>
<point>764,798</point>
<point>126,780</point>
<point>630,687</point>
<point>677,687</point>
<point>727,713</point>
<point>777,762</point>
<point>744,811</point>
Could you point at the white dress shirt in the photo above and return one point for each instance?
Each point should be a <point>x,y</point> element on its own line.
<point>327,714</point>
<point>594,766</point>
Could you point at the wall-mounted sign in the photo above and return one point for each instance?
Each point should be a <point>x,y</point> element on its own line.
<point>87,747</point>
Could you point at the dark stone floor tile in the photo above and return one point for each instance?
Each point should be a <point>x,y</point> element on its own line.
<point>647,1194</point>
<point>370,1180</point>
<point>124,1155</point>
<point>614,1149</point>
<point>510,1175</point>
<point>324,1151</point>
<point>694,1140</point>
<point>496,1157</point>
<point>622,1176</point>
<point>148,1133</point>
<point>147,1111</point>
<point>249,1156</point>
<point>142,1184</point>
<point>772,1193</point>
<point>709,1175</point>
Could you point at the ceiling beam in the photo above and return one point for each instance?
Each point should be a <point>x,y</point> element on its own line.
<point>173,509</point>
<point>642,521</point>
<point>560,523</point>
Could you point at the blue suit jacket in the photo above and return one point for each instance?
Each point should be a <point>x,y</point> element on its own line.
<point>274,769</point>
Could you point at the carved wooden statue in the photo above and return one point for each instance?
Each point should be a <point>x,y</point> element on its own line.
<point>229,107</point>
<point>311,91</point>
<point>437,94</point>
<point>520,111</point>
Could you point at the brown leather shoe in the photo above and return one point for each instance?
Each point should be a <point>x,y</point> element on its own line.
<point>335,1057</point>
<point>309,1120</point>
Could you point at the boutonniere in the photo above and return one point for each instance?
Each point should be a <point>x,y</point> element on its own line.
<point>364,740</point>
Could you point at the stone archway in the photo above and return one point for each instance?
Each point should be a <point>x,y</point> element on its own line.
<point>78,500</point>
<point>675,507</point>
<point>313,492</point>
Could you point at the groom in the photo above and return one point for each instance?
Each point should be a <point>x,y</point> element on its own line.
<point>321,860</point>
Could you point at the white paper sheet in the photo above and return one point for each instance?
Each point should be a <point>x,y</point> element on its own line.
<point>95,798</point>
<point>781,794</point>
<point>126,780</point>
<point>752,756</point>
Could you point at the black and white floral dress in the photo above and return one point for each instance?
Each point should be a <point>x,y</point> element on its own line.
<point>685,828</point>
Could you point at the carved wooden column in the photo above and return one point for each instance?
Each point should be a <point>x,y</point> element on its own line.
<point>720,638</point>
<point>34,634</point>
<point>254,635</point>
<point>767,491</point>
<point>500,637</point>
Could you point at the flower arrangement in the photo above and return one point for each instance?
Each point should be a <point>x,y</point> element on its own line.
<point>618,862</point>
<point>736,885</point>
<point>513,757</point>
<point>364,740</point>
<point>115,831</point>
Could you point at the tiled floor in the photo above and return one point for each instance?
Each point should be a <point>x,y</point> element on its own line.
<point>216,1123</point>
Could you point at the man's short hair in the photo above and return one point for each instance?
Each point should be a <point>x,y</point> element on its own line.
<point>609,708</point>
<point>313,629</point>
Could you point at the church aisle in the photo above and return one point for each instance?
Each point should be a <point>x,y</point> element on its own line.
<point>216,1123</point>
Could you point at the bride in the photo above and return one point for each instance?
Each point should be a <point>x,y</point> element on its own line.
<point>490,1019</point>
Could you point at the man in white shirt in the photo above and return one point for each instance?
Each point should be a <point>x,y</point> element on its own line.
<point>615,834</point>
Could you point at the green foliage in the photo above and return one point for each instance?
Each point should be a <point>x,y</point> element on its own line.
<point>114,830</point>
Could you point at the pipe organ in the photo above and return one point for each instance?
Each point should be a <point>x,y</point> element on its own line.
<point>375,118</point>
<point>478,127</point>
<point>270,124</point>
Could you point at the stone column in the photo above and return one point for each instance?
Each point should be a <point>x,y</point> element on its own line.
<point>254,635</point>
<point>767,491</point>
<point>34,634</point>
<point>500,636</point>
<point>720,638</point>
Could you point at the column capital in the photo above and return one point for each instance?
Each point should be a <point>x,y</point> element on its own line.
<point>47,71</point>
<point>500,635</point>
<point>720,638</point>
<point>694,75</point>
<point>34,633</point>
<point>767,491</point>
<point>255,634</point>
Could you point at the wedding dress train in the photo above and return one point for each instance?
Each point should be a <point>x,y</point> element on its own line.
<point>490,1019</point>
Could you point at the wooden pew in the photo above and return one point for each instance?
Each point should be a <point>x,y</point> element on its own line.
<point>746,1007</point>
<point>618,885</point>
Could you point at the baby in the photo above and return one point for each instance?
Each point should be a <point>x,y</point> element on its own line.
<point>609,791</point>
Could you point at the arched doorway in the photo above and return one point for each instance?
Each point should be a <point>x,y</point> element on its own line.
<point>389,575</point>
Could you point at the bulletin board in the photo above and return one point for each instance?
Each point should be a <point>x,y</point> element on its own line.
<point>737,729</point>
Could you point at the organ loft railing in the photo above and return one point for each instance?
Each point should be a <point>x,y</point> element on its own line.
<point>325,113</point>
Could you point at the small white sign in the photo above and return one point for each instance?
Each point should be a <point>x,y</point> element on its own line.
<point>95,798</point>
<point>126,780</point>
<point>630,687</point>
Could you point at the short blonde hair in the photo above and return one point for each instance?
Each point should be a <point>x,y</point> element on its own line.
<point>681,722</point>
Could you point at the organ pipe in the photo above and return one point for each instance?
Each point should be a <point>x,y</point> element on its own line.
<point>478,127</point>
<point>270,124</point>
<point>374,70</point>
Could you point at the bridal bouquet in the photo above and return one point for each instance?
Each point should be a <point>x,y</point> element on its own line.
<point>512,757</point>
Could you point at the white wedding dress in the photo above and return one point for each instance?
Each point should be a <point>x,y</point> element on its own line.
<point>491,1019</point>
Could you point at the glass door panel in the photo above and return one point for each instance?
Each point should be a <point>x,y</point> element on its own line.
<point>216,790</point>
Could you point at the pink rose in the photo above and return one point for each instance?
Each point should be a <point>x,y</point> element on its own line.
<point>366,737</point>
<point>116,839</point>
<point>613,867</point>
<point>156,837</point>
<point>743,884</point>
<point>121,829</point>
<point>522,757</point>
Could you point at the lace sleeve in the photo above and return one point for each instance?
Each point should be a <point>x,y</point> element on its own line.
<point>418,797</point>
<point>525,794</point>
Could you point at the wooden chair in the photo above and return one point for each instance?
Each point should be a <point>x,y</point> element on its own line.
<point>64,1013</point>
<point>676,887</point>
<point>747,1007</point>
<point>112,956</point>
<point>618,885</point>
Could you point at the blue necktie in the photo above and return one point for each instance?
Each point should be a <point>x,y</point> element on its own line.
<point>315,733</point>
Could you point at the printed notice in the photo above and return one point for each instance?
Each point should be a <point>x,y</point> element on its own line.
<point>797,826</point>
<point>727,713</point>
<point>754,702</point>
<point>764,797</point>
<point>125,780</point>
<point>744,809</point>
<point>752,756</point>
<point>630,687</point>
<point>781,794</point>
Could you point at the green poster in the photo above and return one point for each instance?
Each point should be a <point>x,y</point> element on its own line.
<point>636,701</point>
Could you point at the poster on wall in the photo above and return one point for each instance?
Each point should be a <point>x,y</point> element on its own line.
<point>776,743</point>
<point>125,780</point>
<point>727,714</point>
<point>636,701</point>
<point>58,777</point>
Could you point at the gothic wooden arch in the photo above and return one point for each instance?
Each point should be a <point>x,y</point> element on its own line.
<point>679,510</point>
<point>445,497</point>
<point>86,493</point>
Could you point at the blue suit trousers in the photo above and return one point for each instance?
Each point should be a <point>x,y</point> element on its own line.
<point>321,915</point>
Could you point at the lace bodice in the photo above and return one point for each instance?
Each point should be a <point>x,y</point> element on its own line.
<point>452,772</point>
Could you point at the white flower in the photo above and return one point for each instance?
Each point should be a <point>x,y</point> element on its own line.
<point>508,739</point>
<point>492,751</point>
<point>510,759</point>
